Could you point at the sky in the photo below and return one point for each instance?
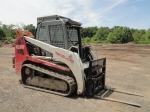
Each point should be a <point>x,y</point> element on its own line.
<point>100,13</point>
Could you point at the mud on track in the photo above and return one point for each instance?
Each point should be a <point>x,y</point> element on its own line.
<point>128,69</point>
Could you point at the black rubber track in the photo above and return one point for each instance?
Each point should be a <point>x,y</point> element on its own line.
<point>70,81</point>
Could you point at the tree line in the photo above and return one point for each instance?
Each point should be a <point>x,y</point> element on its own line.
<point>117,34</point>
<point>7,32</point>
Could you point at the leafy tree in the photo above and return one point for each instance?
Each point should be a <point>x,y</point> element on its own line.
<point>146,36</point>
<point>2,34</point>
<point>8,30</point>
<point>138,34</point>
<point>11,31</point>
<point>30,28</point>
<point>120,35</point>
<point>89,31</point>
<point>115,27</point>
<point>133,30</point>
<point>113,38</point>
<point>101,35</point>
<point>127,35</point>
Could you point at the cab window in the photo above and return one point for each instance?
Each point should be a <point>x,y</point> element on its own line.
<point>42,34</point>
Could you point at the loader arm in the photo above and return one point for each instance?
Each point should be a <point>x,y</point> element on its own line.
<point>71,59</point>
<point>23,33</point>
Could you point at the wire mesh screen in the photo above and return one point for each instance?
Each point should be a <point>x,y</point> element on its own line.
<point>73,36</point>
<point>56,36</point>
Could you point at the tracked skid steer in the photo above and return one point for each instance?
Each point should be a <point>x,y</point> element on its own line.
<point>55,60</point>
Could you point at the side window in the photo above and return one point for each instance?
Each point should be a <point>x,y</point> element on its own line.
<point>42,34</point>
<point>73,34</point>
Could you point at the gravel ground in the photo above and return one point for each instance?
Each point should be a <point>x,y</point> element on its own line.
<point>128,69</point>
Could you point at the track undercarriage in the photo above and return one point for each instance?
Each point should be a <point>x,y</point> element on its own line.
<point>39,78</point>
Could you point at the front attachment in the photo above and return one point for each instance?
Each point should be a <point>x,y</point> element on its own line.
<point>96,76</point>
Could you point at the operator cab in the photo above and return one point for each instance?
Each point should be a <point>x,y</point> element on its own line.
<point>61,32</point>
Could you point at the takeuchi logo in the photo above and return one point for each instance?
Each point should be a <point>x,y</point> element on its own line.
<point>19,46</point>
<point>64,57</point>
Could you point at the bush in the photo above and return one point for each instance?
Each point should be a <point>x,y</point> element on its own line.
<point>94,39</point>
<point>87,40</point>
<point>144,42</point>
<point>9,38</point>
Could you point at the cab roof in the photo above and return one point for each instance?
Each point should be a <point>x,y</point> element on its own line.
<point>57,17</point>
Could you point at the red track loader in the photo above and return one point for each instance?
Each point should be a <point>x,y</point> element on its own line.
<point>55,61</point>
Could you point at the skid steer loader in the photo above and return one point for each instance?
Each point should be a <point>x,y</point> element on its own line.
<point>55,61</point>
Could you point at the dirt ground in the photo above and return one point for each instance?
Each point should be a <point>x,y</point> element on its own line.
<point>128,69</point>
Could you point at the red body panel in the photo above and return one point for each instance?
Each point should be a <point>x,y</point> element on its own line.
<point>21,56</point>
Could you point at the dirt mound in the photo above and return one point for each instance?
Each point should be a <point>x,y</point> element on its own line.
<point>2,43</point>
<point>131,43</point>
<point>7,43</point>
